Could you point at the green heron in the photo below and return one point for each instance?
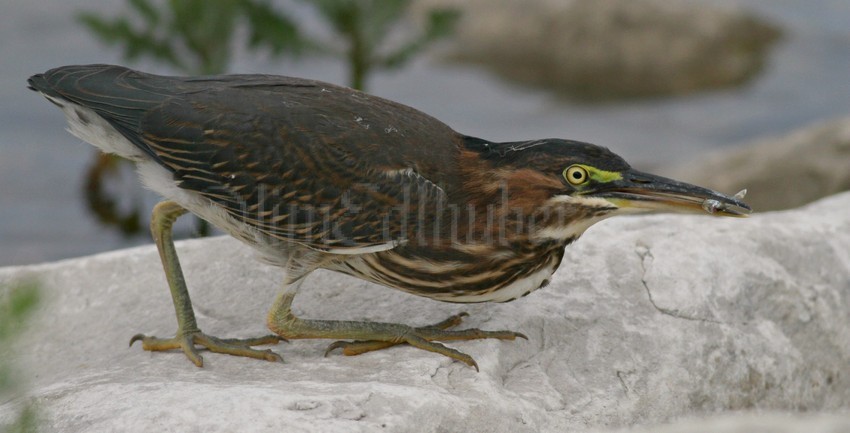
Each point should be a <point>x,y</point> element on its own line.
<point>314,175</point>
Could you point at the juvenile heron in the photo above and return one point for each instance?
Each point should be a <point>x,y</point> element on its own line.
<point>313,175</point>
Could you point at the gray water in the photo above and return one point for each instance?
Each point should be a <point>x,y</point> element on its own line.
<point>43,217</point>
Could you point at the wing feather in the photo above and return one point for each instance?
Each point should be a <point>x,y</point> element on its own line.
<point>300,160</point>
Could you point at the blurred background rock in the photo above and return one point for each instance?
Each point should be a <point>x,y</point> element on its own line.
<point>678,86</point>
<point>785,171</point>
<point>608,50</point>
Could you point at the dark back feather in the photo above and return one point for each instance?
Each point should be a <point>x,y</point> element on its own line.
<point>296,159</point>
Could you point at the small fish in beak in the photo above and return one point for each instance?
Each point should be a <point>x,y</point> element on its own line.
<point>713,206</point>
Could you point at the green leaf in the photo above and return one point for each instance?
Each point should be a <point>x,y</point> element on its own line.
<point>146,10</point>
<point>441,24</point>
<point>271,28</point>
<point>135,43</point>
<point>17,303</point>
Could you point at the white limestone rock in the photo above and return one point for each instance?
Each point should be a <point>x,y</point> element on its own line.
<point>648,320</point>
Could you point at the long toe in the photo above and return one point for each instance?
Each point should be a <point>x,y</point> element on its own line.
<point>188,342</point>
<point>424,338</point>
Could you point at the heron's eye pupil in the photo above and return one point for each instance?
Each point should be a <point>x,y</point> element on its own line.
<point>577,175</point>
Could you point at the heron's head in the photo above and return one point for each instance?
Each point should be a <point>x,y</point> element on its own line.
<point>577,184</point>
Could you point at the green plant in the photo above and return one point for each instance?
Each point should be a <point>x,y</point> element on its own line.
<point>17,304</point>
<point>197,36</point>
<point>193,36</point>
<point>364,26</point>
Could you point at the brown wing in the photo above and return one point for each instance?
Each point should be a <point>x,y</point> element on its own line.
<point>302,160</point>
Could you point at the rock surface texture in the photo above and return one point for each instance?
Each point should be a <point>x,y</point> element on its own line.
<point>650,320</point>
<point>605,49</point>
<point>779,172</point>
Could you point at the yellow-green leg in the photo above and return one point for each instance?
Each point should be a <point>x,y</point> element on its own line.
<point>372,336</point>
<point>188,334</point>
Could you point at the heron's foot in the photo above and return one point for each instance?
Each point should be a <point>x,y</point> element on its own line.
<point>352,348</point>
<point>187,341</point>
<point>423,338</point>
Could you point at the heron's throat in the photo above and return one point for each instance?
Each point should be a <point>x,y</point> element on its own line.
<point>565,217</point>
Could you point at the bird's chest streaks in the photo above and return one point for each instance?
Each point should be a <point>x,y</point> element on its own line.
<point>497,275</point>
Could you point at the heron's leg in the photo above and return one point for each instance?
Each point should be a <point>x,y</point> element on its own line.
<point>373,335</point>
<point>188,334</point>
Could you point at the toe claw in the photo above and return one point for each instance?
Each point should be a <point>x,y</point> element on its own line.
<point>272,356</point>
<point>135,338</point>
<point>188,346</point>
<point>335,345</point>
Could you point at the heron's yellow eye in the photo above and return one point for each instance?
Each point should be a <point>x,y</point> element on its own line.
<point>576,175</point>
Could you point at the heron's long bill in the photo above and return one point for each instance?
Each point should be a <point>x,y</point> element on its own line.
<point>648,192</point>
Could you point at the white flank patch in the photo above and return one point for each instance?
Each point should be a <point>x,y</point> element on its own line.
<point>85,124</point>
